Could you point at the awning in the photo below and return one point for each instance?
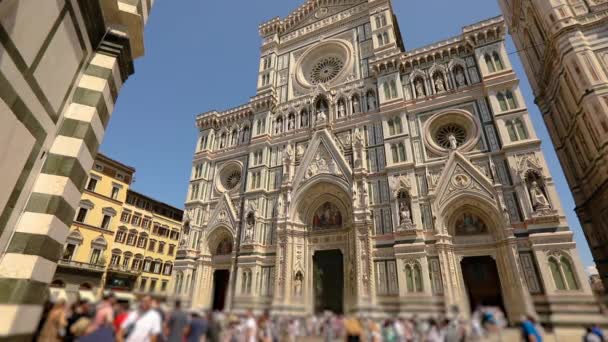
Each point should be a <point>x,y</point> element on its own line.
<point>124,296</point>
<point>87,295</point>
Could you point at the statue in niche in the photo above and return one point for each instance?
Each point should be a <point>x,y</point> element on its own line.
<point>288,153</point>
<point>298,284</point>
<point>292,122</point>
<point>419,88</point>
<point>250,222</point>
<point>322,112</point>
<point>280,206</point>
<point>439,85</point>
<point>460,79</point>
<point>371,102</point>
<point>359,140</point>
<point>355,105</point>
<point>304,119</point>
<point>453,141</point>
<point>404,213</point>
<point>539,200</point>
<point>341,109</point>
<point>327,216</point>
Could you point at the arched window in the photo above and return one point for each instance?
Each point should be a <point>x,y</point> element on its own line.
<point>258,127</point>
<point>401,148</point>
<point>489,63</point>
<point>245,135</point>
<point>413,277</point>
<point>569,273</point>
<point>372,104</point>
<point>378,22</point>
<point>383,18</point>
<point>387,91</point>
<point>398,127</point>
<point>409,276</point>
<point>502,102</point>
<point>522,133</point>
<point>246,282</point>
<point>393,85</point>
<point>497,61</point>
<point>121,235</point>
<point>511,130</point>
<point>417,278</point>
<point>511,99</point>
<point>223,140</point>
<point>234,137</point>
<point>394,153</point>
<point>391,127</point>
<point>380,40</point>
<point>179,277</point>
<point>385,36</point>
<point>557,275</point>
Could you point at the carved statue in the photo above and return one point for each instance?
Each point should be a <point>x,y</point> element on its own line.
<point>288,153</point>
<point>539,200</point>
<point>419,88</point>
<point>358,137</point>
<point>341,109</point>
<point>355,105</point>
<point>371,102</point>
<point>280,206</point>
<point>460,79</point>
<point>297,284</point>
<point>292,122</point>
<point>404,213</point>
<point>439,86</point>
<point>321,112</point>
<point>304,119</point>
<point>453,141</point>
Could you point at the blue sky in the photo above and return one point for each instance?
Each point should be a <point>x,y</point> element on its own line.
<point>203,55</point>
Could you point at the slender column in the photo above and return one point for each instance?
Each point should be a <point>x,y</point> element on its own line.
<point>37,243</point>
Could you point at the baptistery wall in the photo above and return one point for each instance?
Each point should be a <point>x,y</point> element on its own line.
<point>367,178</point>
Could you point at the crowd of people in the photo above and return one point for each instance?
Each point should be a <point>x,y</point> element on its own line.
<point>147,321</point>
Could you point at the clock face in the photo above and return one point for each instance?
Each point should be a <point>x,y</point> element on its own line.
<point>326,69</point>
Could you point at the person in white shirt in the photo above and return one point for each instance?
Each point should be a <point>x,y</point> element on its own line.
<point>143,325</point>
<point>251,328</point>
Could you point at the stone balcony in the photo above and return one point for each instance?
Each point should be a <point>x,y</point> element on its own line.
<point>82,265</point>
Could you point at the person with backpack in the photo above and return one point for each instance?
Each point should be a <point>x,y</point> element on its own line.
<point>529,330</point>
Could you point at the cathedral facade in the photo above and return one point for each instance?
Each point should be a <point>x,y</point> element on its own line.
<point>366,178</point>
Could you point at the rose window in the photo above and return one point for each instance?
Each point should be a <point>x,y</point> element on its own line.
<point>229,177</point>
<point>326,70</point>
<point>446,132</point>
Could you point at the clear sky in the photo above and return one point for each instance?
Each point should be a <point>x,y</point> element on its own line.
<point>203,55</point>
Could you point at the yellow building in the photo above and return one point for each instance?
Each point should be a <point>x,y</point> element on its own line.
<point>120,240</point>
<point>82,267</point>
<point>146,243</point>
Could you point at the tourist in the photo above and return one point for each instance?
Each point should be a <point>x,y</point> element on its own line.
<point>530,331</point>
<point>250,327</point>
<point>121,313</point>
<point>265,326</point>
<point>374,332</point>
<point>176,324</point>
<point>214,328</point>
<point>594,334</point>
<point>433,334</point>
<point>388,331</point>
<point>142,325</point>
<point>195,330</point>
<point>54,326</point>
<point>80,312</point>
<point>104,313</point>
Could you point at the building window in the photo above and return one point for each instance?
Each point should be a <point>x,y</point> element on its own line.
<point>142,284</point>
<point>151,245</point>
<point>386,278</point>
<point>136,220</point>
<point>131,238</point>
<point>95,256</point>
<point>516,129</point>
<point>163,285</point>
<point>394,126</point>
<point>120,235</point>
<point>152,285</point>
<point>381,21</point>
<point>398,152</point>
<point>494,62</point>
<point>167,269</point>
<point>171,249</point>
<point>105,222</point>
<point>82,215</point>
<point>92,184</point>
<point>115,192</point>
<point>390,89</point>
<point>161,247</point>
<point>413,277</point>
<point>147,265</point>
<point>145,223</point>
<point>157,265</point>
<point>115,260</point>
<point>246,282</point>
<point>563,273</point>
<point>194,192</point>
<point>506,100</point>
<point>126,261</point>
<point>141,242</point>
<point>68,252</point>
<point>125,217</point>
<point>256,180</point>
<point>136,264</point>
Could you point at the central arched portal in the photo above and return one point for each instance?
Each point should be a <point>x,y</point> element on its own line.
<point>327,271</point>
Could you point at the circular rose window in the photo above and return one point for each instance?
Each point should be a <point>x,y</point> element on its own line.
<point>229,177</point>
<point>451,130</point>
<point>450,134</point>
<point>326,69</point>
<point>325,62</point>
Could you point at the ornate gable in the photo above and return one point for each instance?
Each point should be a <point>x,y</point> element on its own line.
<point>322,157</point>
<point>224,214</point>
<point>460,175</point>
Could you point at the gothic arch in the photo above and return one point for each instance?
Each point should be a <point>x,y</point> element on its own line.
<point>324,188</point>
<point>216,236</point>
<point>474,204</point>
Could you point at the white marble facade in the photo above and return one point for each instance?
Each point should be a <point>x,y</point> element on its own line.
<point>414,166</point>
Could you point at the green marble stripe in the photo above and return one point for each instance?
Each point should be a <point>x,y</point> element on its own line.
<point>22,291</point>
<point>93,98</point>
<point>81,130</point>
<point>65,166</point>
<point>106,74</point>
<point>51,204</point>
<point>35,244</point>
<point>49,37</point>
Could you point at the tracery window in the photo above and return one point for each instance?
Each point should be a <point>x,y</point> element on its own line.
<point>386,278</point>
<point>506,100</point>
<point>246,281</point>
<point>494,62</point>
<point>516,129</point>
<point>413,277</point>
<point>398,152</point>
<point>563,272</point>
<point>394,126</point>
